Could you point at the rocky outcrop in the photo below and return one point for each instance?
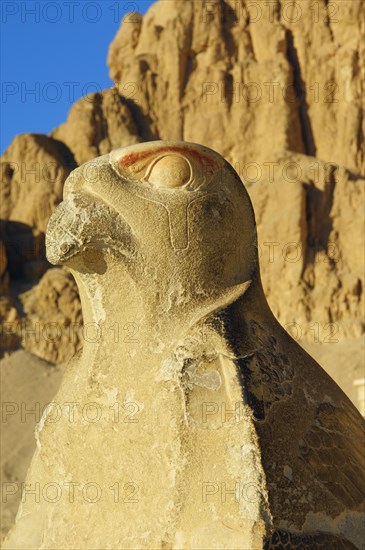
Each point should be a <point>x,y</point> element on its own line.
<point>97,124</point>
<point>33,170</point>
<point>249,79</point>
<point>310,218</point>
<point>52,328</point>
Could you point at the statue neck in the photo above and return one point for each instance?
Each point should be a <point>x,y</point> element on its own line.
<point>156,322</point>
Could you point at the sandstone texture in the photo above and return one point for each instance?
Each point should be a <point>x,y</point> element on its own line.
<point>224,402</point>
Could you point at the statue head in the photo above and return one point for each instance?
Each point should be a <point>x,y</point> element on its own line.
<point>172,216</point>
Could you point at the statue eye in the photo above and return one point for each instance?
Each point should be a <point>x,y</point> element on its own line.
<point>170,171</point>
<point>167,167</point>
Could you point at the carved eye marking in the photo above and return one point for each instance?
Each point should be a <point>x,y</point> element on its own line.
<point>169,171</point>
<point>167,167</point>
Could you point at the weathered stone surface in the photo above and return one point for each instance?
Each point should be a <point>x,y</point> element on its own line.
<point>9,320</point>
<point>348,353</point>
<point>96,124</point>
<point>52,328</point>
<point>310,217</point>
<point>249,79</point>
<point>221,398</point>
<point>33,170</point>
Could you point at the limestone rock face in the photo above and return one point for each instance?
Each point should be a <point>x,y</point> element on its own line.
<point>311,244</point>
<point>192,419</point>
<point>289,77</point>
<point>97,124</point>
<point>52,328</point>
<point>33,170</point>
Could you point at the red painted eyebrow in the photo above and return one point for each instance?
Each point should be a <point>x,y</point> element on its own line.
<point>130,159</point>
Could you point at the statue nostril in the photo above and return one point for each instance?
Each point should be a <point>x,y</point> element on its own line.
<point>170,171</point>
<point>65,247</point>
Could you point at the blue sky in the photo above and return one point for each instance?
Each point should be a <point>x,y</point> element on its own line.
<point>53,53</point>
